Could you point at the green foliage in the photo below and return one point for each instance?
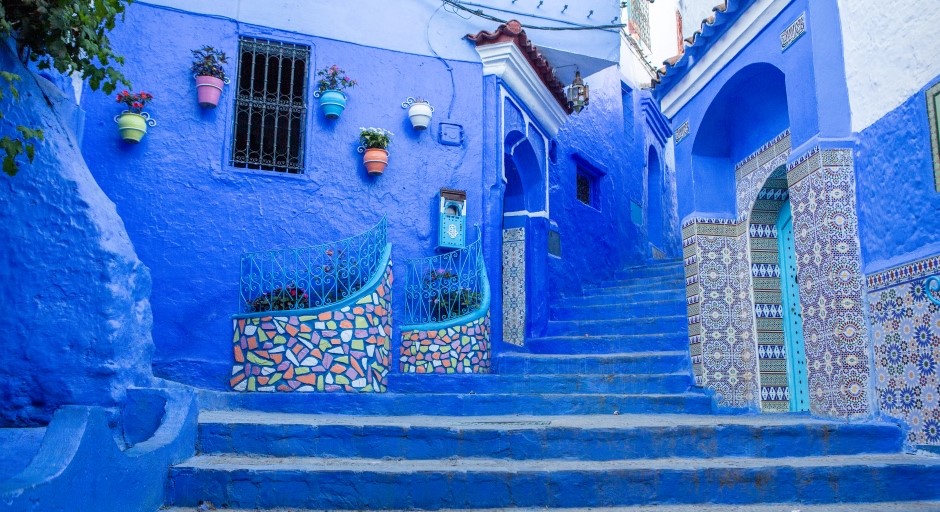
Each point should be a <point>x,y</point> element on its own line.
<point>68,36</point>
<point>207,61</point>
<point>375,138</point>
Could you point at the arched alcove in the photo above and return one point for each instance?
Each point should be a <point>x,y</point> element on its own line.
<point>655,189</point>
<point>749,110</point>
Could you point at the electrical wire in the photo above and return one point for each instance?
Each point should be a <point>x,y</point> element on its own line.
<point>456,5</point>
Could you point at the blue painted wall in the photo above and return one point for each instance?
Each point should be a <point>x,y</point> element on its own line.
<point>597,241</point>
<point>191,215</point>
<point>899,205</point>
<point>77,318</point>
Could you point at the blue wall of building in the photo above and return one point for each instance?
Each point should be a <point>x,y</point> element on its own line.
<point>899,206</point>
<point>77,319</point>
<point>191,215</point>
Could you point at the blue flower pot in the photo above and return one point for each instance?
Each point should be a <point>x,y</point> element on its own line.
<point>332,103</point>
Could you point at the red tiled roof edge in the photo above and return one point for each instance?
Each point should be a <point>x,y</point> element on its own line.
<point>690,41</point>
<point>512,31</point>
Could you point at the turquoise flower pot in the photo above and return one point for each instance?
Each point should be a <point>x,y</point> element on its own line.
<point>332,103</point>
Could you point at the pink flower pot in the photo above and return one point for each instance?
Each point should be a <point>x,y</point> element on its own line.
<point>375,160</point>
<point>208,90</point>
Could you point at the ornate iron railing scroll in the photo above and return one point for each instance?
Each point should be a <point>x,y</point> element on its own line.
<point>447,286</point>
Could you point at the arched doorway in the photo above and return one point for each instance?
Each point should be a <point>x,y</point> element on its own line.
<point>524,225</point>
<point>775,284</point>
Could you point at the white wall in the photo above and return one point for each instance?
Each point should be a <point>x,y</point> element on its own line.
<point>693,12</point>
<point>891,52</point>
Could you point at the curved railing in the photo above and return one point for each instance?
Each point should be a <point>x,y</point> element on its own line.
<point>932,289</point>
<point>311,277</point>
<point>440,289</point>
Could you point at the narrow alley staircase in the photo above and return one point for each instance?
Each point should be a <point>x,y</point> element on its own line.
<point>601,412</point>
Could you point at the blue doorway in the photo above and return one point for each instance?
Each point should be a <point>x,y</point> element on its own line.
<point>797,378</point>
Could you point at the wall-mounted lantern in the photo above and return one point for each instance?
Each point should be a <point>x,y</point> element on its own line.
<point>419,111</point>
<point>579,94</point>
<point>452,226</point>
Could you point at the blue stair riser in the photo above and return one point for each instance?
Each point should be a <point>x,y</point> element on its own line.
<point>672,268</point>
<point>614,311</point>
<point>608,344</point>
<point>670,325</point>
<point>442,404</point>
<point>666,362</point>
<point>529,443</point>
<point>637,291</point>
<point>649,283</point>
<point>616,384</point>
<point>615,299</point>
<point>338,488</point>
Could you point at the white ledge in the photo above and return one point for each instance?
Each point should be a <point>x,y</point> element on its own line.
<point>506,61</point>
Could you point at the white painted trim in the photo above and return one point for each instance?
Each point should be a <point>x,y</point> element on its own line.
<point>503,96</point>
<point>525,213</point>
<point>506,61</point>
<point>722,51</point>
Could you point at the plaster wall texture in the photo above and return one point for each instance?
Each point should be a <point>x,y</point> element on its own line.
<point>900,223</point>
<point>885,55</point>
<point>77,325</point>
<point>693,12</point>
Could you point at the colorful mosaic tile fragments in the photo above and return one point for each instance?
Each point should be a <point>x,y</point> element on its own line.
<point>458,349</point>
<point>347,349</point>
<point>906,332</point>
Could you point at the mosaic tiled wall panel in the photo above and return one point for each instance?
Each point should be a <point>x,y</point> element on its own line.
<point>342,350</point>
<point>458,349</point>
<point>514,296</point>
<point>825,221</point>
<point>765,277</point>
<point>906,334</point>
<point>720,310</point>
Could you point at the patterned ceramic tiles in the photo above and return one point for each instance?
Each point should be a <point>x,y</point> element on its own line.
<point>457,349</point>
<point>906,334</point>
<point>340,350</point>
<point>514,294</point>
<point>822,195</point>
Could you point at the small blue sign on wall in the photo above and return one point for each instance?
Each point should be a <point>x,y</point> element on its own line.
<point>452,226</point>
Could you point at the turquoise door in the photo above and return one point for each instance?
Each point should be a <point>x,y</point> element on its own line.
<point>792,319</point>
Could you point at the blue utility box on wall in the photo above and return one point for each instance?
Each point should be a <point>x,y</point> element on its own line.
<point>452,226</point>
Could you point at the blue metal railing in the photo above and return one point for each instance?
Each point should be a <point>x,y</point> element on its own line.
<point>310,277</point>
<point>932,289</point>
<point>445,287</point>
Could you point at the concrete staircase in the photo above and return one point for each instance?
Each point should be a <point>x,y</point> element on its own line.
<point>598,413</point>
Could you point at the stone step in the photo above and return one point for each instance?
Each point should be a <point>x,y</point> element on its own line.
<point>354,483</point>
<point>491,383</point>
<point>648,283</point>
<point>570,310</point>
<point>589,437</point>
<point>668,267</point>
<point>676,324</point>
<point>887,506</point>
<point>639,289</point>
<point>611,343</point>
<point>576,364</point>
<point>677,296</point>
<point>459,404</point>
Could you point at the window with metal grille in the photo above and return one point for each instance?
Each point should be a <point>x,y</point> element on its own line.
<point>933,116</point>
<point>638,20</point>
<point>587,188</point>
<point>270,106</point>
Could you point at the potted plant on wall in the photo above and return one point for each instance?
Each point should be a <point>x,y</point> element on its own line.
<point>374,149</point>
<point>210,75</point>
<point>331,83</point>
<point>133,122</point>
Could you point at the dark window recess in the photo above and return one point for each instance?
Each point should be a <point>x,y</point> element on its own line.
<point>554,243</point>
<point>270,106</point>
<point>587,188</point>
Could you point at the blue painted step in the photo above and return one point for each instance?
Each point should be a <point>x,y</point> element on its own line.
<point>637,289</point>
<point>649,283</point>
<point>676,324</point>
<point>618,309</point>
<point>678,382</point>
<point>672,267</point>
<point>606,437</point>
<point>455,404</point>
<point>355,483</point>
<point>608,343</point>
<point>618,298</point>
<point>622,363</point>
